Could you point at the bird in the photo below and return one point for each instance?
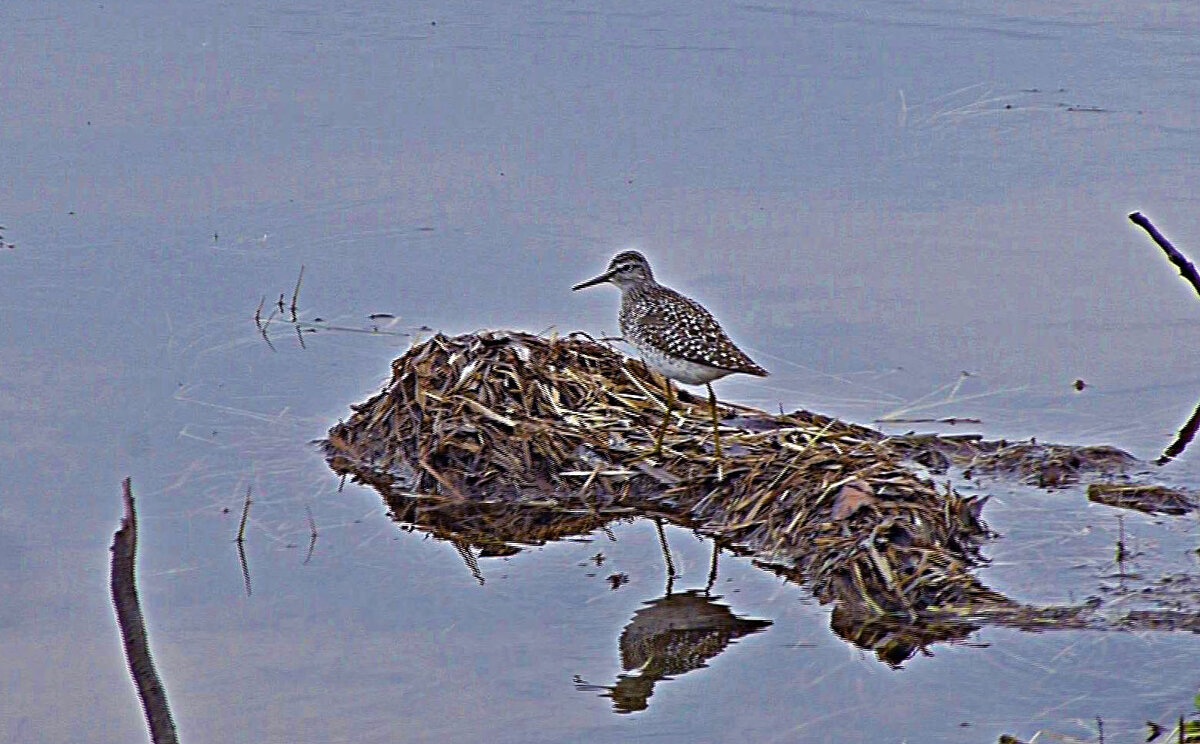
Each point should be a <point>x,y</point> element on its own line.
<point>674,335</point>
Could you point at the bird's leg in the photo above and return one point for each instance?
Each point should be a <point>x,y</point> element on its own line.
<point>712,405</point>
<point>662,429</point>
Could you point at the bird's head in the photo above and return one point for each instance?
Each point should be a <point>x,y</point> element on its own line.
<point>626,269</point>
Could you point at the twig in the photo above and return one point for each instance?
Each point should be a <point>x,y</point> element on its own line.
<point>1186,269</point>
<point>312,527</point>
<point>1186,434</point>
<point>133,627</point>
<point>952,421</point>
<point>322,326</point>
<point>241,535</point>
<point>241,541</point>
<point>263,330</point>
<point>296,294</point>
<point>241,550</point>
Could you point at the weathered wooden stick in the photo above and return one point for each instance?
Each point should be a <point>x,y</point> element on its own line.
<point>296,294</point>
<point>1185,437</point>
<point>133,627</point>
<point>241,551</point>
<point>1186,269</point>
<point>312,527</point>
<point>241,540</point>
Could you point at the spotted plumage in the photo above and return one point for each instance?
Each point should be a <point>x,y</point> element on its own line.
<point>674,335</point>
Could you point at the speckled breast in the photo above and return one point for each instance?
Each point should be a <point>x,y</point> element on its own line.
<point>682,370</point>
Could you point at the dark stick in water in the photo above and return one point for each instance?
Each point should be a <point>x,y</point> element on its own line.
<point>133,627</point>
<point>1186,269</point>
<point>296,294</point>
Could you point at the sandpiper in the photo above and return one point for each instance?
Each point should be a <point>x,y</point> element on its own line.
<point>675,335</point>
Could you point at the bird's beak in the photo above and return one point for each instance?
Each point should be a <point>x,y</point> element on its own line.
<point>592,282</point>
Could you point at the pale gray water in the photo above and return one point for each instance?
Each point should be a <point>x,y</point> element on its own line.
<point>872,200</point>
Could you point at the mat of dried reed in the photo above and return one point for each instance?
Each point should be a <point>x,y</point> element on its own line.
<point>511,421</point>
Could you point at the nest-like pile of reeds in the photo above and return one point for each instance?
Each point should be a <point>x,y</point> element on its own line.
<point>564,426</point>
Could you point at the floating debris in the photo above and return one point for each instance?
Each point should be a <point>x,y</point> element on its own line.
<point>1042,465</point>
<point>498,439</point>
<point>516,420</point>
<point>1149,499</point>
<point>618,580</point>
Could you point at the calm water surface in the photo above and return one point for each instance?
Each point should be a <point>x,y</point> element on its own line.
<point>874,200</point>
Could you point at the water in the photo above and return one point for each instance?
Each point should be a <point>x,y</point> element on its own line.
<point>873,200</point>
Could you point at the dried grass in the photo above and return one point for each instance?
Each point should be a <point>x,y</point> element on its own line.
<point>513,437</point>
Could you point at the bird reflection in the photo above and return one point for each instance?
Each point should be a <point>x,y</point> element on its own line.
<point>672,635</point>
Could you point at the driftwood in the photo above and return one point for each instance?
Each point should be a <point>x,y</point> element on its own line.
<point>500,438</point>
<point>1186,269</point>
<point>123,581</point>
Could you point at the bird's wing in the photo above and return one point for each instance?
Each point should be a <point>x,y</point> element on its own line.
<point>691,332</point>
